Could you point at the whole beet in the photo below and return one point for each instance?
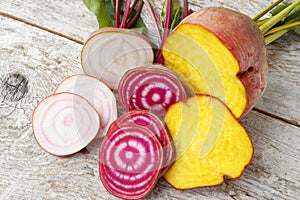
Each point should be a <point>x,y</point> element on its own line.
<point>241,35</point>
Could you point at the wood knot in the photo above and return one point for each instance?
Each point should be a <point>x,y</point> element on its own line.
<point>13,87</point>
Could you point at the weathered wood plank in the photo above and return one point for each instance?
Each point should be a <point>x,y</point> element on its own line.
<point>73,20</point>
<point>28,172</point>
<point>60,16</point>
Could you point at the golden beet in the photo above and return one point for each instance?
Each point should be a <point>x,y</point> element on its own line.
<point>221,53</point>
<point>210,143</point>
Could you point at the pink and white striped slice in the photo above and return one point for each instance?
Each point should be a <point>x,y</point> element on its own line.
<point>64,123</point>
<point>158,127</point>
<point>150,87</point>
<point>130,161</point>
<point>110,52</point>
<point>95,92</point>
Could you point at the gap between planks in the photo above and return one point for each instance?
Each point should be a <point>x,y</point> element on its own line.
<point>40,27</point>
<point>293,123</point>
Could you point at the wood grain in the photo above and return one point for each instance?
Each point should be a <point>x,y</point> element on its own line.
<point>45,58</point>
<point>72,20</point>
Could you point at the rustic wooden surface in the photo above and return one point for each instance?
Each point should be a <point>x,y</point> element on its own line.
<point>41,40</point>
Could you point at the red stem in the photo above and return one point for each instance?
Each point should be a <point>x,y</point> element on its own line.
<point>126,14</point>
<point>132,7</point>
<point>136,16</point>
<point>185,8</point>
<point>168,17</point>
<point>117,13</point>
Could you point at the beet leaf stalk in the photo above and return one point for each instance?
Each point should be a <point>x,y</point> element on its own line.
<point>119,14</point>
<point>167,26</point>
<point>285,18</point>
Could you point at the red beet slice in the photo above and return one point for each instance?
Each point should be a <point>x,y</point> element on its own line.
<point>158,127</point>
<point>96,93</point>
<point>64,123</point>
<point>150,88</point>
<point>110,52</point>
<point>130,160</point>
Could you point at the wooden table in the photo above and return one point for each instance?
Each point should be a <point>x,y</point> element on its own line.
<point>42,40</point>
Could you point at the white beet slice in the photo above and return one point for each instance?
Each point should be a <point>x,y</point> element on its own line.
<point>96,93</point>
<point>110,52</point>
<point>64,123</point>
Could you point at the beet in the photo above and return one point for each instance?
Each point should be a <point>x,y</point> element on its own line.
<point>110,52</point>
<point>158,127</point>
<point>95,92</point>
<point>64,123</point>
<point>130,160</point>
<point>150,88</point>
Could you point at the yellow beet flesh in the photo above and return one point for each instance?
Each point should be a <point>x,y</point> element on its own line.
<point>210,143</point>
<point>207,65</point>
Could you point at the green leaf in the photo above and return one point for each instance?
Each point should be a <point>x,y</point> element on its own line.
<point>140,30</point>
<point>98,7</point>
<point>139,23</point>
<point>176,13</point>
<point>176,17</point>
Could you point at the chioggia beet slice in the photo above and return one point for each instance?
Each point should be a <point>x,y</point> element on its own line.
<point>130,160</point>
<point>150,88</point>
<point>64,123</point>
<point>158,127</point>
<point>110,52</point>
<point>95,92</point>
<point>210,143</point>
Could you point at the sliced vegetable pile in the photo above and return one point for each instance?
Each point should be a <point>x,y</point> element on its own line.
<point>81,109</point>
<point>182,100</point>
<point>135,153</point>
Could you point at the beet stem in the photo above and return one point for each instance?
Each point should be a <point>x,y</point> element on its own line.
<point>185,8</point>
<point>159,58</point>
<point>117,13</point>
<point>265,11</point>
<point>126,14</point>
<point>275,19</point>
<point>136,16</point>
<point>132,7</point>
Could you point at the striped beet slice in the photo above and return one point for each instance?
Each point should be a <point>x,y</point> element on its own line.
<point>110,52</point>
<point>95,92</point>
<point>150,87</point>
<point>64,123</point>
<point>130,160</point>
<point>158,127</point>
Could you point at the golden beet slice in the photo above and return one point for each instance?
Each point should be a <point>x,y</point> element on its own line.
<point>210,143</point>
<point>207,64</point>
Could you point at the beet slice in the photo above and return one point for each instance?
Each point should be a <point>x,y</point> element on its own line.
<point>96,93</point>
<point>150,87</point>
<point>110,52</point>
<point>158,127</point>
<point>64,123</point>
<point>130,160</point>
